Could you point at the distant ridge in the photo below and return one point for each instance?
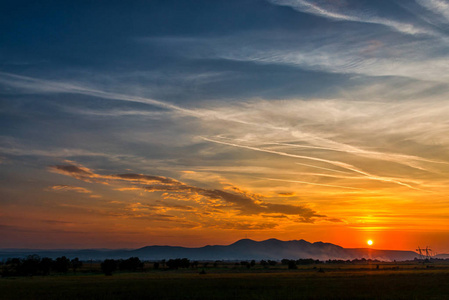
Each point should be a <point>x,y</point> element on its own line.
<point>244,249</point>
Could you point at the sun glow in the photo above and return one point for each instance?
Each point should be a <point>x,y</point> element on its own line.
<point>369,242</point>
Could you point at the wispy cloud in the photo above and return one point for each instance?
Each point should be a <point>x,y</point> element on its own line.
<point>335,163</point>
<point>313,183</point>
<point>312,123</point>
<point>329,58</point>
<point>47,86</point>
<point>393,157</point>
<point>439,7</point>
<point>312,8</point>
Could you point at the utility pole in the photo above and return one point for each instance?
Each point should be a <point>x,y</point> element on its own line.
<point>421,255</point>
<point>428,253</point>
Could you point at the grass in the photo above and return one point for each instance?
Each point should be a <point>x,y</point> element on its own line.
<point>307,283</point>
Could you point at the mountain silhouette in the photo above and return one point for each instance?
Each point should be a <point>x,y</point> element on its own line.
<point>244,249</point>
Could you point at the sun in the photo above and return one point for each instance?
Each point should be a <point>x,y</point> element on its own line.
<point>369,242</point>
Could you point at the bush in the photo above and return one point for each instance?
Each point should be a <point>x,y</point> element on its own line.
<point>130,264</point>
<point>108,266</point>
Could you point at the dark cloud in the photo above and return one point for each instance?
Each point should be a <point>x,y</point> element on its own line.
<point>275,216</point>
<point>334,220</point>
<point>243,202</point>
<point>77,172</point>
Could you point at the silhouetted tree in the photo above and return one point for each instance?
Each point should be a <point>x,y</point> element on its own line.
<point>131,264</point>
<point>172,264</point>
<point>253,263</point>
<point>76,264</point>
<point>272,262</point>
<point>61,264</point>
<point>108,266</point>
<point>30,266</point>
<point>307,261</point>
<point>185,263</point>
<point>12,267</point>
<point>156,265</point>
<point>292,265</point>
<point>178,263</point>
<point>45,265</point>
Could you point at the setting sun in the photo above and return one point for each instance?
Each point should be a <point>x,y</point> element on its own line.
<point>369,242</point>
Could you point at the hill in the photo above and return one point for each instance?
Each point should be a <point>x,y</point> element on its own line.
<point>244,249</point>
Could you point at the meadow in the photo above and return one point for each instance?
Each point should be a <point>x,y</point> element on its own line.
<point>333,281</point>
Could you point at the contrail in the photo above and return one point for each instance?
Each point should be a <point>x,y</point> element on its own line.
<point>312,166</point>
<point>335,163</point>
<point>394,157</point>
<point>312,183</point>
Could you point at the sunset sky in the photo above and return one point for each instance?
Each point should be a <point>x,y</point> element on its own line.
<point>134,123</point>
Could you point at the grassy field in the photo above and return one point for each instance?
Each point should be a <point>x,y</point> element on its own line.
<point>360,282</point>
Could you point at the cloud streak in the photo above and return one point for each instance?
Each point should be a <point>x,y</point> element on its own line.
<point>439,7</point>
<point>342,165</point>
<point>311,8</point>
<point>47,86</point>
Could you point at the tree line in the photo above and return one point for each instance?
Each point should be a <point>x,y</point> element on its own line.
<point>35,265</point>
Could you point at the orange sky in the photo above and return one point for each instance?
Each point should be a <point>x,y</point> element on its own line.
<point>203,122</point>
<point>307,194</point>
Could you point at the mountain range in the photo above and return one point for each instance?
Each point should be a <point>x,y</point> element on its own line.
<point>244,249</point>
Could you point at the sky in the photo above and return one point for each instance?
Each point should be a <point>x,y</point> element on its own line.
<point>191,123</point>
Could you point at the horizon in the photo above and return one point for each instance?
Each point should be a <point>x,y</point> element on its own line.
<point>197,122</point>
<point>175,245</point>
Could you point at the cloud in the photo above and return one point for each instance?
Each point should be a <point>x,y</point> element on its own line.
<point>236,225</point>
<point>312,8</point>
<point>76,171</point>
<point>334,220</point>
<point>287,194</point>
<point>148,179</point>
<point>58,222</point>
<point>439,7</point>
<point>351,142</point>
<point>245,203</point>
<point>65,188</point>
<point>35,85</point>
<point>412,60</point>
<point>18,149</point>
<point>348,52</point>
<point>335,163</point>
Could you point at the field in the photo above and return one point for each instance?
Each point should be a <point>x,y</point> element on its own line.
<point>331,282</point>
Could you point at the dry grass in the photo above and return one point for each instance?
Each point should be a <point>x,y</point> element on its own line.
<point>337,282</point>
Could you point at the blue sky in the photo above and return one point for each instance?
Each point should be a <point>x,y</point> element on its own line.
<point>280,118</point>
